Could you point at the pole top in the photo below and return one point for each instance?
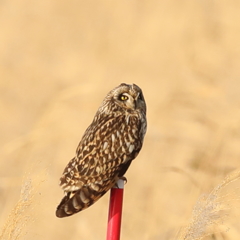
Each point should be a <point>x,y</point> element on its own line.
<point>119,184</point>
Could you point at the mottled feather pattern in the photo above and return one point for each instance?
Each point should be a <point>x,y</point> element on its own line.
<point>106,150</point>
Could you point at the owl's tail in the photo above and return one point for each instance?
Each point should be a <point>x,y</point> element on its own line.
<point>77,201</point>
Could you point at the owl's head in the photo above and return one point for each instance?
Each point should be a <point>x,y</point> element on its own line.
<point>125,97</point>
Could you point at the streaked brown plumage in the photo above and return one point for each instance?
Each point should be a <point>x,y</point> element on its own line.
<point>106,150</point>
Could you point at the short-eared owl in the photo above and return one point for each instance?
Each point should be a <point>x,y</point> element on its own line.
<point>106,150</point>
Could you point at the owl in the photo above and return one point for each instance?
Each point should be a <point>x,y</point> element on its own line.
<point>106,150</point>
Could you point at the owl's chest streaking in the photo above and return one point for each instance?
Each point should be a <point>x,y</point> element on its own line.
<point>110,139</point>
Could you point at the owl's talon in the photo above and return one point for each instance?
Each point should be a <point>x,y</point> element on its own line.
<point>124,179</point>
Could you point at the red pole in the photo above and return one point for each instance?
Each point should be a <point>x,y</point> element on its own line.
<point>115,211</point>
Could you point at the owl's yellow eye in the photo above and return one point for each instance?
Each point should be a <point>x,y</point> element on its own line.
<point>123,97</point>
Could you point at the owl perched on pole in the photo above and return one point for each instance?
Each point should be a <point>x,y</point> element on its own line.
<point>106,150</point>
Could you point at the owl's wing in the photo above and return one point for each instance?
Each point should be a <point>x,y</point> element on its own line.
<point>103,155</point>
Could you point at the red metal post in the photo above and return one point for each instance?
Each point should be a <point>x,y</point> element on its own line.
<point>115,211</point>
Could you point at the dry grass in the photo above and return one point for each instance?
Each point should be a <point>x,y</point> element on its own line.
<point>210,212</point>
<point>208,215</point>
<point>22,217</point>
<point>16,224</point>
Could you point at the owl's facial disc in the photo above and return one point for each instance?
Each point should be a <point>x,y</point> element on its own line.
<point>129,97</point>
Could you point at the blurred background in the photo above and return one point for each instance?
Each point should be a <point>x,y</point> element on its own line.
<point>58,60</point>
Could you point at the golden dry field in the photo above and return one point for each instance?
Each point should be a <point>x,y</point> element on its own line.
<point>58,60</point>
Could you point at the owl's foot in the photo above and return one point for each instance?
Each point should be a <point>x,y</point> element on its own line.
<point>124,180</point>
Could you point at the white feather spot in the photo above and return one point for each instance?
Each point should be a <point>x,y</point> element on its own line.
<point>85,148</point>
<point>73,164</point>
<point>118,134</point>
<point>67,210</point>
<point>98,169</point>
<point>127,120</point>
<point>70,188</point>
<point>62,185</point>
<point>113,138</point>
<point>94,187</point>
<point>83,197</point>
<point>76,205</point>
<point>105,144</point>
<point>131,148</point>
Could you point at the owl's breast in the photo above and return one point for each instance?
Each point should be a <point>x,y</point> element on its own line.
<point>113,142</point>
